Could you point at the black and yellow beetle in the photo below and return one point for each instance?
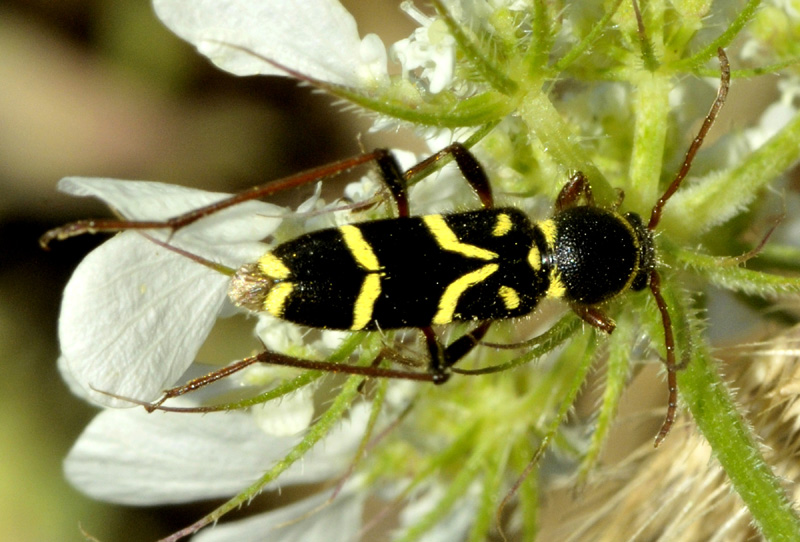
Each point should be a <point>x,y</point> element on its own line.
<point>419,271</point>
<point>483,265</point>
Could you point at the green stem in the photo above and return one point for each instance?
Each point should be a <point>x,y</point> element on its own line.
<point>494,76</point>
<point>617,374</point>
<point>651,104</point>
<point>582,46</point>
<point>714,412</point>
<point>557,139</point>
<point>541,41</point>
<point>457,488</point>
<point>493,478</point>
<point>732,30</point>
<point>734,446</point>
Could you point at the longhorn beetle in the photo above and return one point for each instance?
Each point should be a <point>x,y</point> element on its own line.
<point>482,265</point>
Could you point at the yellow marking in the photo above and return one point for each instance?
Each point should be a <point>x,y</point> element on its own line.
<point>365,302</point>
<point>549,230</point>
<point>454,291</point>
<point>503,225</point>
<point>509,296</point>
<point>638,251</point>
<point>272,266</point>
<point>275,302</point>
<point>361,250</point>
<point>535,258</point>
<point>557,288</point>
<point>447,239</point>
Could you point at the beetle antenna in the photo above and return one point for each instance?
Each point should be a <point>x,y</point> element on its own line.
<point>722,93</point>
<point>672,366</point>
<point>655,217</point>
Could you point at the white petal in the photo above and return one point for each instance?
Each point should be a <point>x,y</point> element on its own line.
<point>74,386</point>
<point>339,521</point>
<point>132,457</point>
<point>454,525</point>
<point>772,120</point>
<point>317,38</point>
<point>311,203</point>
<point>278,335</point>
<point>129,327</point>
<point>135,314</point>
<point>431,48</point>
<point>333,454</point>
<point>373,56</point>
<point>286,417</point>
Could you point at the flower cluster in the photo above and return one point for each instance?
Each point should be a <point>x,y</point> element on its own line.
<point>538,90</point>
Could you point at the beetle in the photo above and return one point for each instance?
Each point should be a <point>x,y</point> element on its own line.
<point>419,271</point>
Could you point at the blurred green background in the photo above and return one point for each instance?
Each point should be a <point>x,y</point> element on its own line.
<point>101,88</point>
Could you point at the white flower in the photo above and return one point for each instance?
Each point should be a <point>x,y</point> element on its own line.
<point>431,48</point>
<point>439,458</point>
<point>290,416</point>
<point>172,458</point>
<point>317,38</point>
<point>338,520</point>
<point>128,327</point>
